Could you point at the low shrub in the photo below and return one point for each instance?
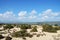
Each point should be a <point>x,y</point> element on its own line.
<point>1,37</point>
<point>8,26</point>
<point>24,38</point>
<point>30,36</point>
<point>22,33</point>
<point>34,29</point>
<point>49,28</point>
<point>38,35</point>
<point>25,26</point>
<point>8,38</point>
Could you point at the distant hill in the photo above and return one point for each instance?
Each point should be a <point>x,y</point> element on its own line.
<point>52,22</point>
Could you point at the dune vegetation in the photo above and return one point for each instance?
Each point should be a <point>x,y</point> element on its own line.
<point>11,31</point>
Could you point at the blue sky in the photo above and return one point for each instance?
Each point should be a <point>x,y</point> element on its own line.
<point>29,10</point>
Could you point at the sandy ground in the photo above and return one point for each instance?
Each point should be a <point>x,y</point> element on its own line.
<point>47,37</point>
<point>39,28</point>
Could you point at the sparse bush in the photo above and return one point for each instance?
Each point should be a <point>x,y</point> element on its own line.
<point>55,24</point>
<point>8,38</point>
<point>49,28</point>
<point>57,28</point>
<point>30,36</point>
<point>25,26</point>
<point>24,38</point>
<point>34,33</point>
<point>22,33</point>
<point>1,37</point>
<point>34,29</point>
<point>38,35</point>
<point>8,26</point>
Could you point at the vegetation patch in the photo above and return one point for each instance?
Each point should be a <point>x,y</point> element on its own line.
<point>50,28</point>
<point>25,26</point>
<point>34,29</point>
<point>8,38</point>
<point>8,26</point>
<point>1,37</point>
<point>22,33</point>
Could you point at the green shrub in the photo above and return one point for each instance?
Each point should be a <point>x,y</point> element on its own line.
<point>8,26</point>
<point>57,28</point>
<point>30,36</point>
<point>55,24</point>
<point>38,35</point>
<point>34,29</point>
<point>8,38</point>
<point>24,38</point>
<point>1,37</point>
<point>25,26</point>
<point>22,33</point>
<point>49,28</point>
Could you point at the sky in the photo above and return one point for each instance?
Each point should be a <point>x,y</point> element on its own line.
<point>14,11</point>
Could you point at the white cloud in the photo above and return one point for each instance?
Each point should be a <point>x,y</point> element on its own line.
<point>22,13</point>
<point>0,15</point>
<point>47,11</point>
<point>7,16</point>
<point>55,14</point>
<point>32,17</point>
<point>21,18</point>
<point>24,16</point>
<point>48,14</point>
<point>33,12</point>
<point>44,17</point>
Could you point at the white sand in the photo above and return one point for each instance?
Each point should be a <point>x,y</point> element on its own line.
<point>39,28</point>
